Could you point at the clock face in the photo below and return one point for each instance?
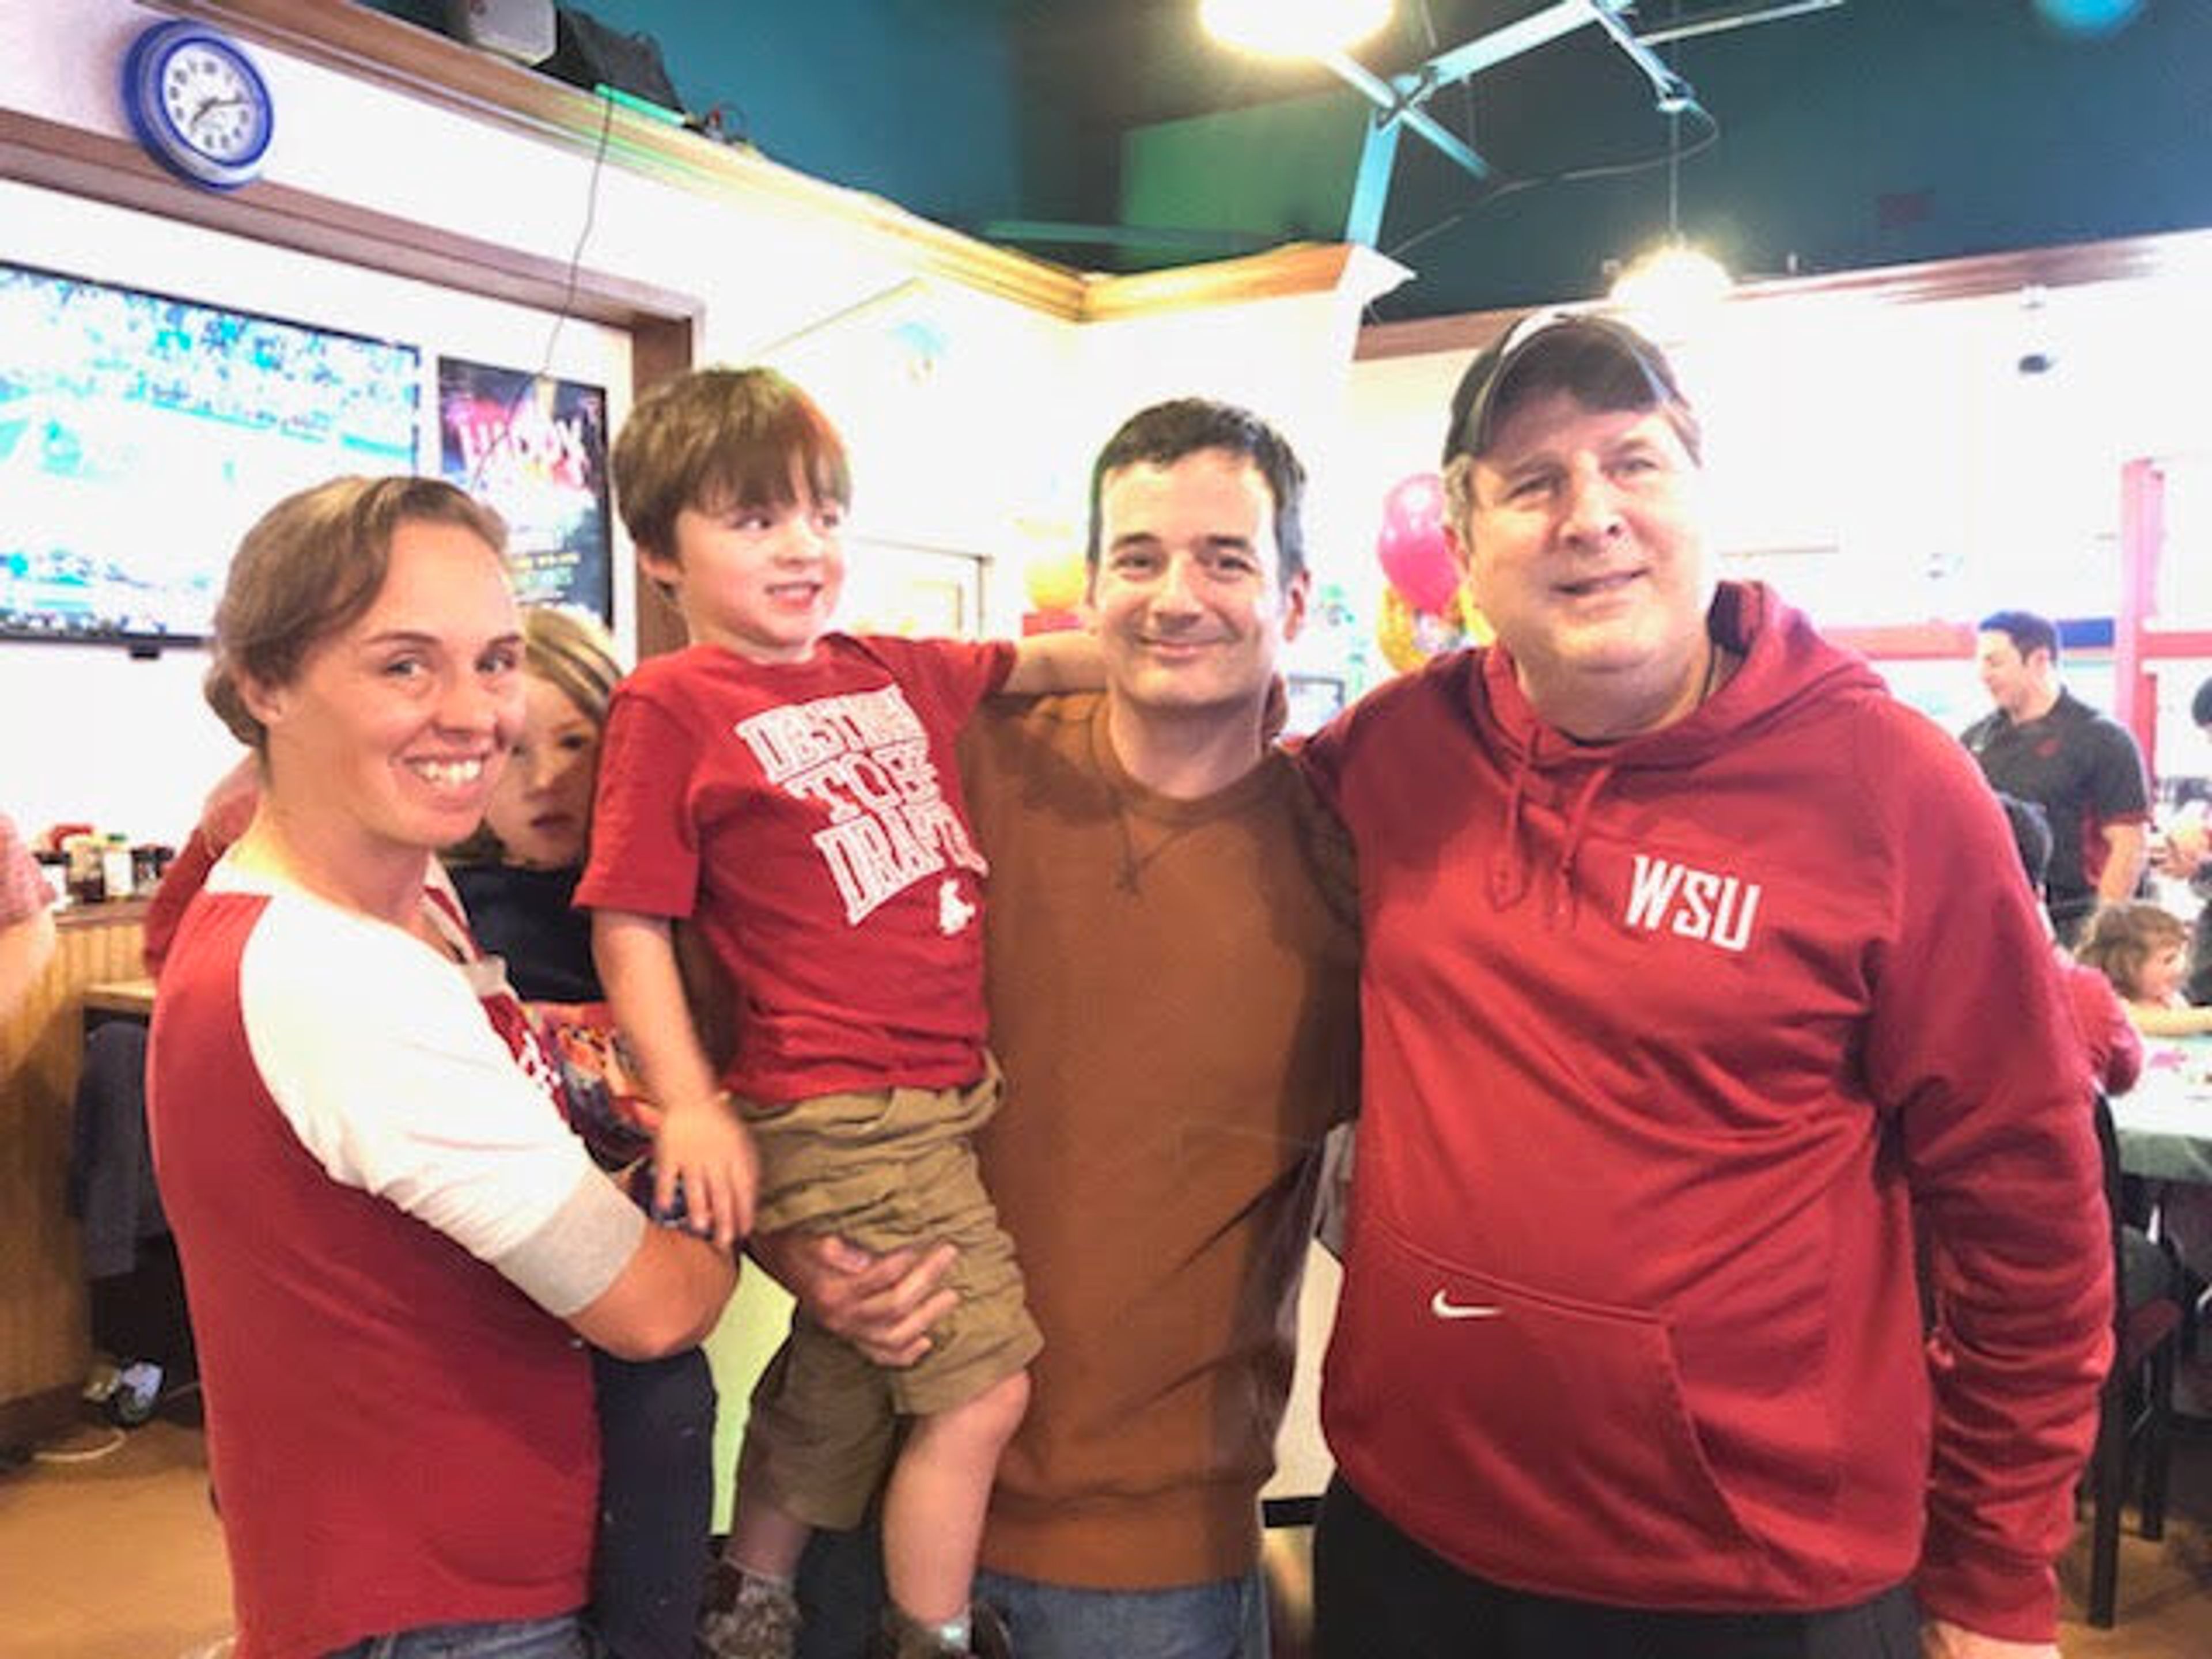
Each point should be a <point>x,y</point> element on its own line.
<point>216,101</point>
<point>198,104</point>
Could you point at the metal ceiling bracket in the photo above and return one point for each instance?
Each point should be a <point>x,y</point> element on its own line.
<point>1400,99</point>
<point>1371,185</point>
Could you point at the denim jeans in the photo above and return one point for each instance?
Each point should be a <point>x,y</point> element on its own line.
<point>564,1637</point>
<point>840,1595</point>
<point>656,1502</point>
<point>1224,1619</point>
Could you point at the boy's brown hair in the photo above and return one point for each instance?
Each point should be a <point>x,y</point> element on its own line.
<point>718,438</point>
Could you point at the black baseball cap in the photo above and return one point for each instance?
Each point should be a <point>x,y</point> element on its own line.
<point>1607,364</point>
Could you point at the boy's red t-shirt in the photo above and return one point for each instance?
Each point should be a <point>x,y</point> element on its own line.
<point>809,816</point>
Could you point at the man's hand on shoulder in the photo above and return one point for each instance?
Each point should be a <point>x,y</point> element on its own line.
<point>884,1305</point>
<point>1942,1639</point>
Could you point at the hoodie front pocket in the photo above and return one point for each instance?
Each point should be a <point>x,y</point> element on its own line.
<point>1537,1439</point>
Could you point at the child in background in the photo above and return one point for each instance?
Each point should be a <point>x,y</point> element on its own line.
<point>2143,950</point>
<point>516,877</point>
<point>2109,1039</point>
<point>794,788</point>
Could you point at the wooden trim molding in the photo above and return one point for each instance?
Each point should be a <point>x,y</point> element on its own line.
<point>1299,268</point>
<point>2123,259</point>
<point>99,168</point>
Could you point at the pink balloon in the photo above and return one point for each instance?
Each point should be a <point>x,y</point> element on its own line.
<point>1412,549</point>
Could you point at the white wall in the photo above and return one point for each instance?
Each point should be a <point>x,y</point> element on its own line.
<point>1886,462</point>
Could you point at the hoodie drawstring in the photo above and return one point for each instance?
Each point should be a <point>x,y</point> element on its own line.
<point>1508,871</point>
<point>1571,839</point>
<point>1509,864</point>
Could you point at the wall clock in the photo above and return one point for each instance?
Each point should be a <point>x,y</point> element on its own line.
<point>198,104</point>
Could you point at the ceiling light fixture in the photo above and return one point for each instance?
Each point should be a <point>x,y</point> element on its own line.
<point>1294,28</point>
<point>1667,286</point>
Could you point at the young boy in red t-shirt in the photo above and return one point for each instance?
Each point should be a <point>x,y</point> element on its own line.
<point>792,791</point>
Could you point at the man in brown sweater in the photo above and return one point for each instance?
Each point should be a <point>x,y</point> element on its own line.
<point>1172,968</point>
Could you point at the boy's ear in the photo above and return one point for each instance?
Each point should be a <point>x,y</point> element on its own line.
<point>661,567</point>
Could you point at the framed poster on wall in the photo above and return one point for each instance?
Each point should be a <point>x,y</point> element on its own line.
<point>534,447</point>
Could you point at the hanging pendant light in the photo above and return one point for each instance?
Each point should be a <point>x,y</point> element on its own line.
<point>1294,28</point>
<point>1669,285</point>
<point>1672,278</point>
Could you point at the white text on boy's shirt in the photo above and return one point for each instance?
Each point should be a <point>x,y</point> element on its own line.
<point>863,757</point>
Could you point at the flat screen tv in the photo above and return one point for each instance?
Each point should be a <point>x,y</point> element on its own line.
<point>141,434</point>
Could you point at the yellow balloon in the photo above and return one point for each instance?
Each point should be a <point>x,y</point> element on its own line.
<point>1055,581</point>
<point>1410,637</point>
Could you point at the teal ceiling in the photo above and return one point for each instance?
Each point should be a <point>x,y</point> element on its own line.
<point>1114,133</point>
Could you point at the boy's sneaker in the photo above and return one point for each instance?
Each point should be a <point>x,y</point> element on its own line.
<point>746,1618</point>
<point>900,1637</point>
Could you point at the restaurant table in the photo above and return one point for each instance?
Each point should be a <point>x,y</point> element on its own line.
<point>2164,1122</point>
<point>127,998</point>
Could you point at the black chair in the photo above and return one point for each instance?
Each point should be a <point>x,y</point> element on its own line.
<point>2136,1409</point>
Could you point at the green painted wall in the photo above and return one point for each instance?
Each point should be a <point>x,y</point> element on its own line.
<point>1282,172</point>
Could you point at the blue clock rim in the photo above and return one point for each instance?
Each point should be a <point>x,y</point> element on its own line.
<point>150,120</point>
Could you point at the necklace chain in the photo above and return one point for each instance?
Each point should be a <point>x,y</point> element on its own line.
<point>1133,863</point>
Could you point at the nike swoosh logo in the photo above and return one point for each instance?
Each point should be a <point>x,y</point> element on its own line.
<point>1444,1308</point>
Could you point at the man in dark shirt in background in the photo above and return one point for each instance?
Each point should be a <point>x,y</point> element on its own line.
<point>2044,745</point>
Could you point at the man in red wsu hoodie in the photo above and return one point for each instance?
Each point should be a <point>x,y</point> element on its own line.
<point>1695,964</point>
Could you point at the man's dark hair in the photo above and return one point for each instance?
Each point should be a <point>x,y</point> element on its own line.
<point>1165,433</point>
<point>2028,632</point>
<point>2200,706</point>
<point>2031,834</point>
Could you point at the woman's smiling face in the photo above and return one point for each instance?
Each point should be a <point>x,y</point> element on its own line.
<point>395,731</point>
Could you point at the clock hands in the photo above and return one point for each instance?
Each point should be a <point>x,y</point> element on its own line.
<point>210,107</point>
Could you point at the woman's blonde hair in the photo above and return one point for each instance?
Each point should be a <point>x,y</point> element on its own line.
<point>2124,938</point>
<point>311,567</point>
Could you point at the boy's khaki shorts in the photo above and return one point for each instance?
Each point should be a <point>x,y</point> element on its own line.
<point>884,1169</point>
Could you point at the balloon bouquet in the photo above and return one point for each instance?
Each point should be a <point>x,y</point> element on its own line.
<point>1426,610</point>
